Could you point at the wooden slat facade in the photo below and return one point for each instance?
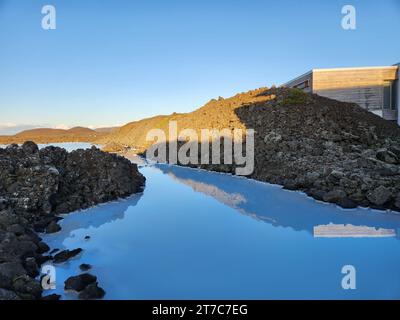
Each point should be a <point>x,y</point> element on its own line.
<point>334,79</point>
<point>367,97</point>
<point>364,86</point>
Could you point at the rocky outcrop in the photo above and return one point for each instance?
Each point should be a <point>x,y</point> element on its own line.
<point>92,291</point>
<point>66,255</point>
<point>86,285</point>
<point>78,283</point>
<point>334,151</point>
<point>35,186</point>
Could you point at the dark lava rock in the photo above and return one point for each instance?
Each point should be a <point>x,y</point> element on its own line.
<point>379,196</point>
<point>85,267</point>
<point>16,229</point>
<point>42,259</point>
<point>27,288</point>
<point>397,201</point>
<point>31,267</point>
<point>42,247</point>
<point>66,255</point>
<point>387,156</point>
<point>78,283</point>
<point>9,271</point>
<point>35,186</point>
<point>317,194</point>
<point>334,196</point>
<point>347,203</point>
<point>30,147</point>
<point>92,291</point>
<point>38,184</point>
<point>92,176</point>
<point>3,203</point>
<point>51,297</point>
<point>8,295</point>
<point>53,227</point>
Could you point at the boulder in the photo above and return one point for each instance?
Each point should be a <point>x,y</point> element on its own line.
<point>3,203</point>
<point>51,297</point>
<point>78,283</point>
<point>9,271</point>
<point>397,201</point>
<point>66,255</point>
<point>272,137</point>
<point>85,267</point>
<point>42,247</point>
<point>92,291</point>
<point>53,227</point>
<point>334,196</point>
<point>347,203</point>
<point>16,229</point>
<point>54,251</point>
<point>387,156</point>
<point>30,147</point>
<point>27,287</point>
<point>31,267</point>
<point>8,295</point>
<point>379,196</point>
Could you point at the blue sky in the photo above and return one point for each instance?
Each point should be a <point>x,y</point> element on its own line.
<point>111,62</point>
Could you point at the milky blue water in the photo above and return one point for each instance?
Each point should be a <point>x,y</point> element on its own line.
<point>201,235</point>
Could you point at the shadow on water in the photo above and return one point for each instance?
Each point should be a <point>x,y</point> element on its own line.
<point>278,207</point>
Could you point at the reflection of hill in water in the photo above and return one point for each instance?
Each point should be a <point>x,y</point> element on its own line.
<point>280,207</point>
<point>230,199</point>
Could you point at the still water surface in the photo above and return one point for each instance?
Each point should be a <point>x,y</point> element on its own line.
<point>194,234</point>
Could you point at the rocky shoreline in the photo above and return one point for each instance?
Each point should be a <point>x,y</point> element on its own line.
<point>35,187</point>
<point>334,151</point>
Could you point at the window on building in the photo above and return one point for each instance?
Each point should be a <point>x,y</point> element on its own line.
<point>387,94</point>
<point>395,97</point>
<point>303,85</point>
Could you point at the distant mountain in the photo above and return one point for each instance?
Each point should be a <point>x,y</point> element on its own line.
<point>81,130</point>
<point>106,129</point>
<point>11,129</point>
<point>49,135</point>
<point>41,132</point>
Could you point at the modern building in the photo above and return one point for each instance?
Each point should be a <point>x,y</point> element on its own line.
<point>373,88</point>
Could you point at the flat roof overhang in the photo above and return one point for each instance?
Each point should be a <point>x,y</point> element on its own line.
<point>299,77</point>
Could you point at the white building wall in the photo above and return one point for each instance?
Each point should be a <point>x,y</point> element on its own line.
<point>398,98</point>
<point>398,93</point>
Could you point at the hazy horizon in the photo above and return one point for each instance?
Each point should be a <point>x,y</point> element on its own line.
<point>114,62</point>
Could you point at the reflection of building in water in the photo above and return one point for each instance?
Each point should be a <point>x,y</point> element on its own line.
<point>281,208</point>
<point>349,231</point>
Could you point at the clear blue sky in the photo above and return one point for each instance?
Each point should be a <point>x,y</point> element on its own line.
<point>111,62</point>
